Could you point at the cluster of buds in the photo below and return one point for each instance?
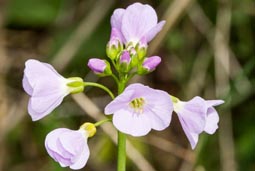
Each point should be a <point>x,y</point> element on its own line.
<point>128,44</point>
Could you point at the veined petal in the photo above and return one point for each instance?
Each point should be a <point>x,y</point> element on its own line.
<point>38,107</point>
<point>212,121</point>
<point>116,18</point>
<point>193,113</point>
<point>82,159</point>
<point>119,102</point>
<point>43,78</point>
<point>67,138</point>
<point>131,123</point>
<point>154,31</point>
<point>192,137</point>
<point>137,20</point>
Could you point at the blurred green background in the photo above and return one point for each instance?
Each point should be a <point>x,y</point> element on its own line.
<point>207,49</point>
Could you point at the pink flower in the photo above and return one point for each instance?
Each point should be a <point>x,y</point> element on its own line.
<point>196,116</point>
<point>68,147</point>
<point>139,109</point>
<point>46,87</point>
<point>136,22</point>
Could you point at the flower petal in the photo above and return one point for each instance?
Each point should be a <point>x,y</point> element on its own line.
<point>119,102</point>
<point>131,123</point>
<point>137,20</point>
<point>154,31</point>
<point>192,137</point>
<point>42,77</point>
<point>210,103</point>
<point>193,113</point>
<point>26,85</point>
<point>38,107</point>
<point>83,158</point>
<point>212,121</point>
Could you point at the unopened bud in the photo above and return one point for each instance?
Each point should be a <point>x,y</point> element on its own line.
<point>141,48</point>
<point>99,66</point>
<point>89,128</point>
<point>115,45</point>
<point>149,64</point>
<point>124,61</point>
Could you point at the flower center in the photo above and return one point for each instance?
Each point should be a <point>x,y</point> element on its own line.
<point>137,104</point>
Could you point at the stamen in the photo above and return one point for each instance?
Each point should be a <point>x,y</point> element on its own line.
<point>137,104</point>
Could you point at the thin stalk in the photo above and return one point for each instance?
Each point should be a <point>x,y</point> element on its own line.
<point>102,121</point>
<point>100,86</point>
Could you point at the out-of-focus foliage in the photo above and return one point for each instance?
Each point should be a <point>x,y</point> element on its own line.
<point>40,28</point>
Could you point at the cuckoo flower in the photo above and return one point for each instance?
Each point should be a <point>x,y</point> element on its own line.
<point>46,87</point>
<point>69,147</point>
<point>196,116</point>
<point>136,22</point>
<point>139,109</point>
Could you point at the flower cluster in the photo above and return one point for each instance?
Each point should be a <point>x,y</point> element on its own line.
<point>136,110</point>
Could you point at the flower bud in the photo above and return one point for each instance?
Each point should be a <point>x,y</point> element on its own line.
<point>75,84</point>
<point>89,128</point>
<point>141,48</point>
<point>115,45</point>
<point>124,61</point>
<point>149,64</point>
<point>99,66</point>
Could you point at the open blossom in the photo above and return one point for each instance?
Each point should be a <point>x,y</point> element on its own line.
<point>136,22</point>
<point>46,87</point>
<point>196,116</point>
<point>68,147</point>
<point>139,109</point>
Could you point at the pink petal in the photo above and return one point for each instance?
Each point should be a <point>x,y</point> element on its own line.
<point>137,20</point>
<point>26,85</point>
<point>194,114</point>
<point>72,141</point>
<point>38,107</point>
<point>116,18</point>
<point>83,158</point>
<point>192,137</point>
<point>131,123</point>
<point>210,103</point>
<point>50,142</point>
<point>212,121</point>
<point>119,102</point>
<point>154,31</point>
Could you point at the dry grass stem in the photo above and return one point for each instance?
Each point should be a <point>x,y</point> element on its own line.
<point>172,14</point>
<point>222,56</point>
<point>83,31</point>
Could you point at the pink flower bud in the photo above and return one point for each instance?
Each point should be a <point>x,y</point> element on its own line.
<point>151,63</point>
<point>99,66</point>
<point>125,57</point>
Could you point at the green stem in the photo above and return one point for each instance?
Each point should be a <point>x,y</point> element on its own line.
<point>100,86</point>
<point>121,165</point>
<point>102,121</point>
<point>121,151</point>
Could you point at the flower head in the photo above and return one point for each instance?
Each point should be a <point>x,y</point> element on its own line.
<point>135,23</point>
<point>68,147</point>
<point>196,116</point>
<point>139,109</point>
<point>46,87</point>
